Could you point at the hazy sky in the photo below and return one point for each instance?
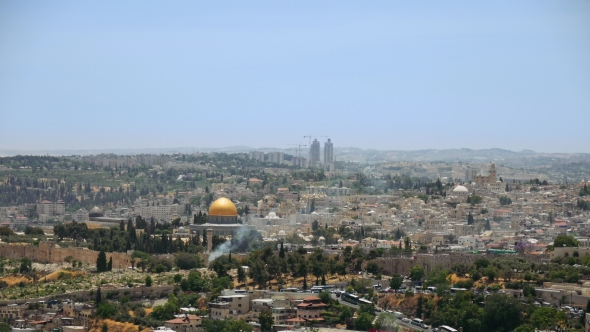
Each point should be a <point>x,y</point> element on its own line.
<point>370,74</point>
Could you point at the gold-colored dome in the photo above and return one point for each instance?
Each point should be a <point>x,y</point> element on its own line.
<point>223,207</point>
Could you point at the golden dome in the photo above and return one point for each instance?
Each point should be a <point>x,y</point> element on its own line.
<point>223,207</point>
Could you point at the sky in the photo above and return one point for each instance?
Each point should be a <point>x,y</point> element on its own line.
<point>391,75</point>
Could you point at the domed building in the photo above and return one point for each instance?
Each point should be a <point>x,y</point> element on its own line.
<point>222,219</point>
<point>223,211</point>
<point>460,190</point>
<point>95,212</point>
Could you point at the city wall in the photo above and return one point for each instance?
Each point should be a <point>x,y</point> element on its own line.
<point>47,252</point>
<point>402,264</point>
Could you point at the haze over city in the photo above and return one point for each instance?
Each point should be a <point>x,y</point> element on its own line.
<point>300,166</point>
<point>380,75</point>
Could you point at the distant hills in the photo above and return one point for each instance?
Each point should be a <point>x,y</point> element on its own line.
<point>341,153</point>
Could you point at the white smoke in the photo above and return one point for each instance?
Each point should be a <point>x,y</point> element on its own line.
<point>228,246</point>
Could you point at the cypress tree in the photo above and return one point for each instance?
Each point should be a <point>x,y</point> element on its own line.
<point>98,296</point>
<point>205,238</point>
<point>282,251</point>
<point>101,262</point>
<point>110,264</point>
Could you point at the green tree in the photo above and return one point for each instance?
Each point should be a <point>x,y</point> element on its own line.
<point>525,327</point>
<point>106,310</point>
<point>501,313</point>
<point>491,273</point>
<point>325,297</point>
<point>475,199</point>
<point>315,225</point>
<point>565,241</point>
<point>186,261</point>
<point>545,317</point>
<point>226,325</point>
<point>241,274</point>
<point>25,265</point>
<point>416,273</point>
<point>5,327</point>
<point>505,200</point>
<point>470,219</point>
<point>266,320</point>
<point>363,322</point>
<point>101,262</point>
<point>148,281</point>
<point>98,296</point>
<point>282,251</point>
<point>104,327</point>
<point>396,281</point>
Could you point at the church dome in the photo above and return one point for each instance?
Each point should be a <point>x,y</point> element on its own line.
<point>95,212</point>
<point>460,189</point>
<point>223,207</point>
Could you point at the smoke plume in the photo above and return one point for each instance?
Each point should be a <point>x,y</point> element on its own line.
<point>230,245</point>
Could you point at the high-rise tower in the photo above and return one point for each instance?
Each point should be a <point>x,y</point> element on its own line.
<point>314,154</point>
<point>328,152</point>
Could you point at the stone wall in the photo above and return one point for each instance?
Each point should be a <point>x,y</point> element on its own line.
<point>47,252</point>
<point>569,252</point>
<point>402,265</point>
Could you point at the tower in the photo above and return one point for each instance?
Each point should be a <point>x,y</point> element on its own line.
<point>493,177</point>
<point>314,154</point>
<point>328,152</point>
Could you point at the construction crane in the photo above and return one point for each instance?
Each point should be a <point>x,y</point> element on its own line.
<point>310,137</point>
<point>297,149</point>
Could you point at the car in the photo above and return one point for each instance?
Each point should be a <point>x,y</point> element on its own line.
<point>424,326</point>
<point>405,320</point>
<point>435,329</point>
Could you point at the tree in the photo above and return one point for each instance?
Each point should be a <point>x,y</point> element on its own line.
<point>226,325</point>
<point>101,262</point>
<point>396,281</point>
<point>104,327</point>
<point>110,264</point>
<point>281,251</point>
<point>416,273</point>
<point>5,327</point>
<point>487,226</point>
<point>525,327</point>
<point>241,275</point>
<point>25,265</point>
<point>266,320</point>
<point>106,310</point>
<point>186,261</point>
<point>148,281</point>
<point>491,273</point>
<point>205,241</point>
<point>565,241</point>
<point>325,297</point>
<point>363,322</point>
<point>501,313</point>
<point>470,219</point>
<point>505,200</point>
<point>545,317</point>
<point>98,296</point>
